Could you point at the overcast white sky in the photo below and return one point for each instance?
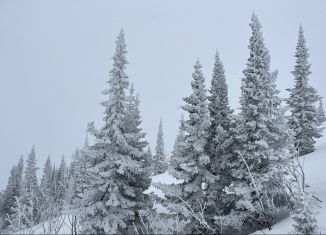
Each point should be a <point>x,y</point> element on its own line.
<point>55,57</point>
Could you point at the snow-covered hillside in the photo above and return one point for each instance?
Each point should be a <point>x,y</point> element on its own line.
<point>315,172</point>
<point>314,166</point>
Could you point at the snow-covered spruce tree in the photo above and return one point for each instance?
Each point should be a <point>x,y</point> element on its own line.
<point>72,173</point>
<point>136,139</point>
<point>149,151</point>
<point>190,161</point>
<point>13,191</point>
<point>159,159</point>
<point>220,140</point>
<point>54,177</point>
<point>263,140</point>
<point>321,116</point>
<point>46,181</point>
<point>49,206</point>
<point>19,177</point>
<point>62,182</point>
<point>8,199</point>
<point>77,177</point>
<point>221,116</point>
<point>72,165</point>
<point>16,191</point>
<point>303,217</point>
<point>177,147</point>
<point>114,195</point>
<point>12,196</point>
<point>30,196</point>
<point>302,101</point>
<point>150,160</point>
<point>77,180</point>
<point>2,219</point>
<point>74,170</point>
<point>321,112</point>
<point>30,178</point>
<point>132,122</point>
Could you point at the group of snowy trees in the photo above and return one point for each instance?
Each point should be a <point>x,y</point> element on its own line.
<point>232,167</point>
<point>25,202</point>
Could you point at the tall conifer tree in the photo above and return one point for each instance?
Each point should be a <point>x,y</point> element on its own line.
<point>62,181</point>
<point>114,195</point>
<point>159,161</point>
<point>321,116</point>
<point>302,101</point>
<point>178,146</point>
<point>263,138</point>
<point>221,115</point>
<point>46,182</point>
<point>221,141</point>
<point>30,197</point>
<point>8,198</point>
<point>190,162</point>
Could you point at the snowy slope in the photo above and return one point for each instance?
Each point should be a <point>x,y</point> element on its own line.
<point>60,225</point>
<point>315,172</point>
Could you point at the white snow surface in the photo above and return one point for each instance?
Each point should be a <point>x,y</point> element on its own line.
<point>60,225</point>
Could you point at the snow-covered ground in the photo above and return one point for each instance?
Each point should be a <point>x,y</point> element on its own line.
<point>60,225</point>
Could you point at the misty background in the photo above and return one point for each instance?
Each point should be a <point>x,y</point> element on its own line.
<point>55,57</point>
